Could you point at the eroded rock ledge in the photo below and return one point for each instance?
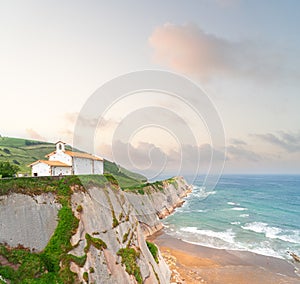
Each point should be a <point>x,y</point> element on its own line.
<point>107,215</point>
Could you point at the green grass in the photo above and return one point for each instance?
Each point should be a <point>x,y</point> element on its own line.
<point>129,259</point>
<point>23,152</point>
<point>153,249</point>
<point>29,185</point>
<point>85,276</point>
<point>97,243</point>
<point>125,237</point>
<point>125,178</point>
<point>113,168</point>
<point>45,267</point>
<point>52,265</point>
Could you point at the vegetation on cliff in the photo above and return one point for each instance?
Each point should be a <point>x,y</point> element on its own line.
<point>45,267</point>
<point>153,249</point>
<point>52,265</point>
<point>129,259</point>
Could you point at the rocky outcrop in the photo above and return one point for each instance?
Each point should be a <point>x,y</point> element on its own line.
<point>28,220</point>
<point>108,216</point>
<point>158,203</point>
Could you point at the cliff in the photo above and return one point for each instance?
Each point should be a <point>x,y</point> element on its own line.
<point>93,233</point>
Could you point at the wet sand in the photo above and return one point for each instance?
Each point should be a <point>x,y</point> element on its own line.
<point>198,264</point>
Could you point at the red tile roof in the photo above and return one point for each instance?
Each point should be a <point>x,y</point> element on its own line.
<point>83,155</point>
<point>78,155</point>
<point>50,163</point>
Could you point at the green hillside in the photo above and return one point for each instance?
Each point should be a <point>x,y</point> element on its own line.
<point>124,177</point>
<point>23,152</point>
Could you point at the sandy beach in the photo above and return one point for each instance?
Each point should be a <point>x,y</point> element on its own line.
<point>198,264</point>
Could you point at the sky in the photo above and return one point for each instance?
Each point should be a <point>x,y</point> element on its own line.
<point>245,54</point>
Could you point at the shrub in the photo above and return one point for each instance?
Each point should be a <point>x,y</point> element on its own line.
<point>129,257</point>
<point>79,208</point>
<point>115,222</point>
<point>153,249</point>
<point>16,162</point>
<point>85,276</point>
<point>7,151</point>
<point>97,243</point>
<point>7,169</point>
<point>125,237</point>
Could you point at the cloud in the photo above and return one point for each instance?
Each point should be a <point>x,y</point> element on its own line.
<point>34,134</point>
<point>189,49</point>
<point>285,140</point>
<point>237,141</point>
<point>71,119</point>
<point>150,159</point>
<point>75,117</point>
<point>238,152</point>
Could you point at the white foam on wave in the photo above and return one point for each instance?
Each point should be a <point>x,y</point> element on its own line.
<point>203,194</point>
<point>200,210</point>
<point>292,236</point>
<point>265,251</point>
<point>224,240</point>
<point>227,236</point>
<point>244,215</point>
<point>200,192</point>
<point>232,203</point>
<point>239,208</point>
<point>235,223</point>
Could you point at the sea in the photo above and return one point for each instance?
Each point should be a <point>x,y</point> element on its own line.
<point>256,213</point>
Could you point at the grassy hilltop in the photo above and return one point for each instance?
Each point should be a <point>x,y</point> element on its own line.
<point>23,152</point>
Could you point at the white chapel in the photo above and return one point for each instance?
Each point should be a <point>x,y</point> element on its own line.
<point>65,162</point>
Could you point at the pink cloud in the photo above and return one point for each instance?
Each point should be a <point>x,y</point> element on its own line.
<point>190,50</point>
<point>35,135</point>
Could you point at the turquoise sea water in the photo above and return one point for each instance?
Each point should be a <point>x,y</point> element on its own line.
<point>258,213</point>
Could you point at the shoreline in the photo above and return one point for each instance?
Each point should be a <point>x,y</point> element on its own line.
<point>191,263</point>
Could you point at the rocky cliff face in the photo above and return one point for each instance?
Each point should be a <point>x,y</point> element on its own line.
<point>111,230</point>
<point>161,202</point>
<point>28,220</point>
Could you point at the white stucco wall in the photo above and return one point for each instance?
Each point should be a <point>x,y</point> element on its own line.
<point>82,166</point>
<point>62,157</point>
<point>98,167</point>
<point>41,169</point>
<point>65,171</point>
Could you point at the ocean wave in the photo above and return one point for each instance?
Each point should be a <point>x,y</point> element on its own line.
<point>239,208</point>
<point>226,240</point>
<point>292,236</point>
<point>235,223</point>
<point>260,227</point>
<point>200,210</point>
<point>232,203</point>
<point>265,251</point>
<point>244,215</point>
<point>200,192</point>
<point>227,236</point>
